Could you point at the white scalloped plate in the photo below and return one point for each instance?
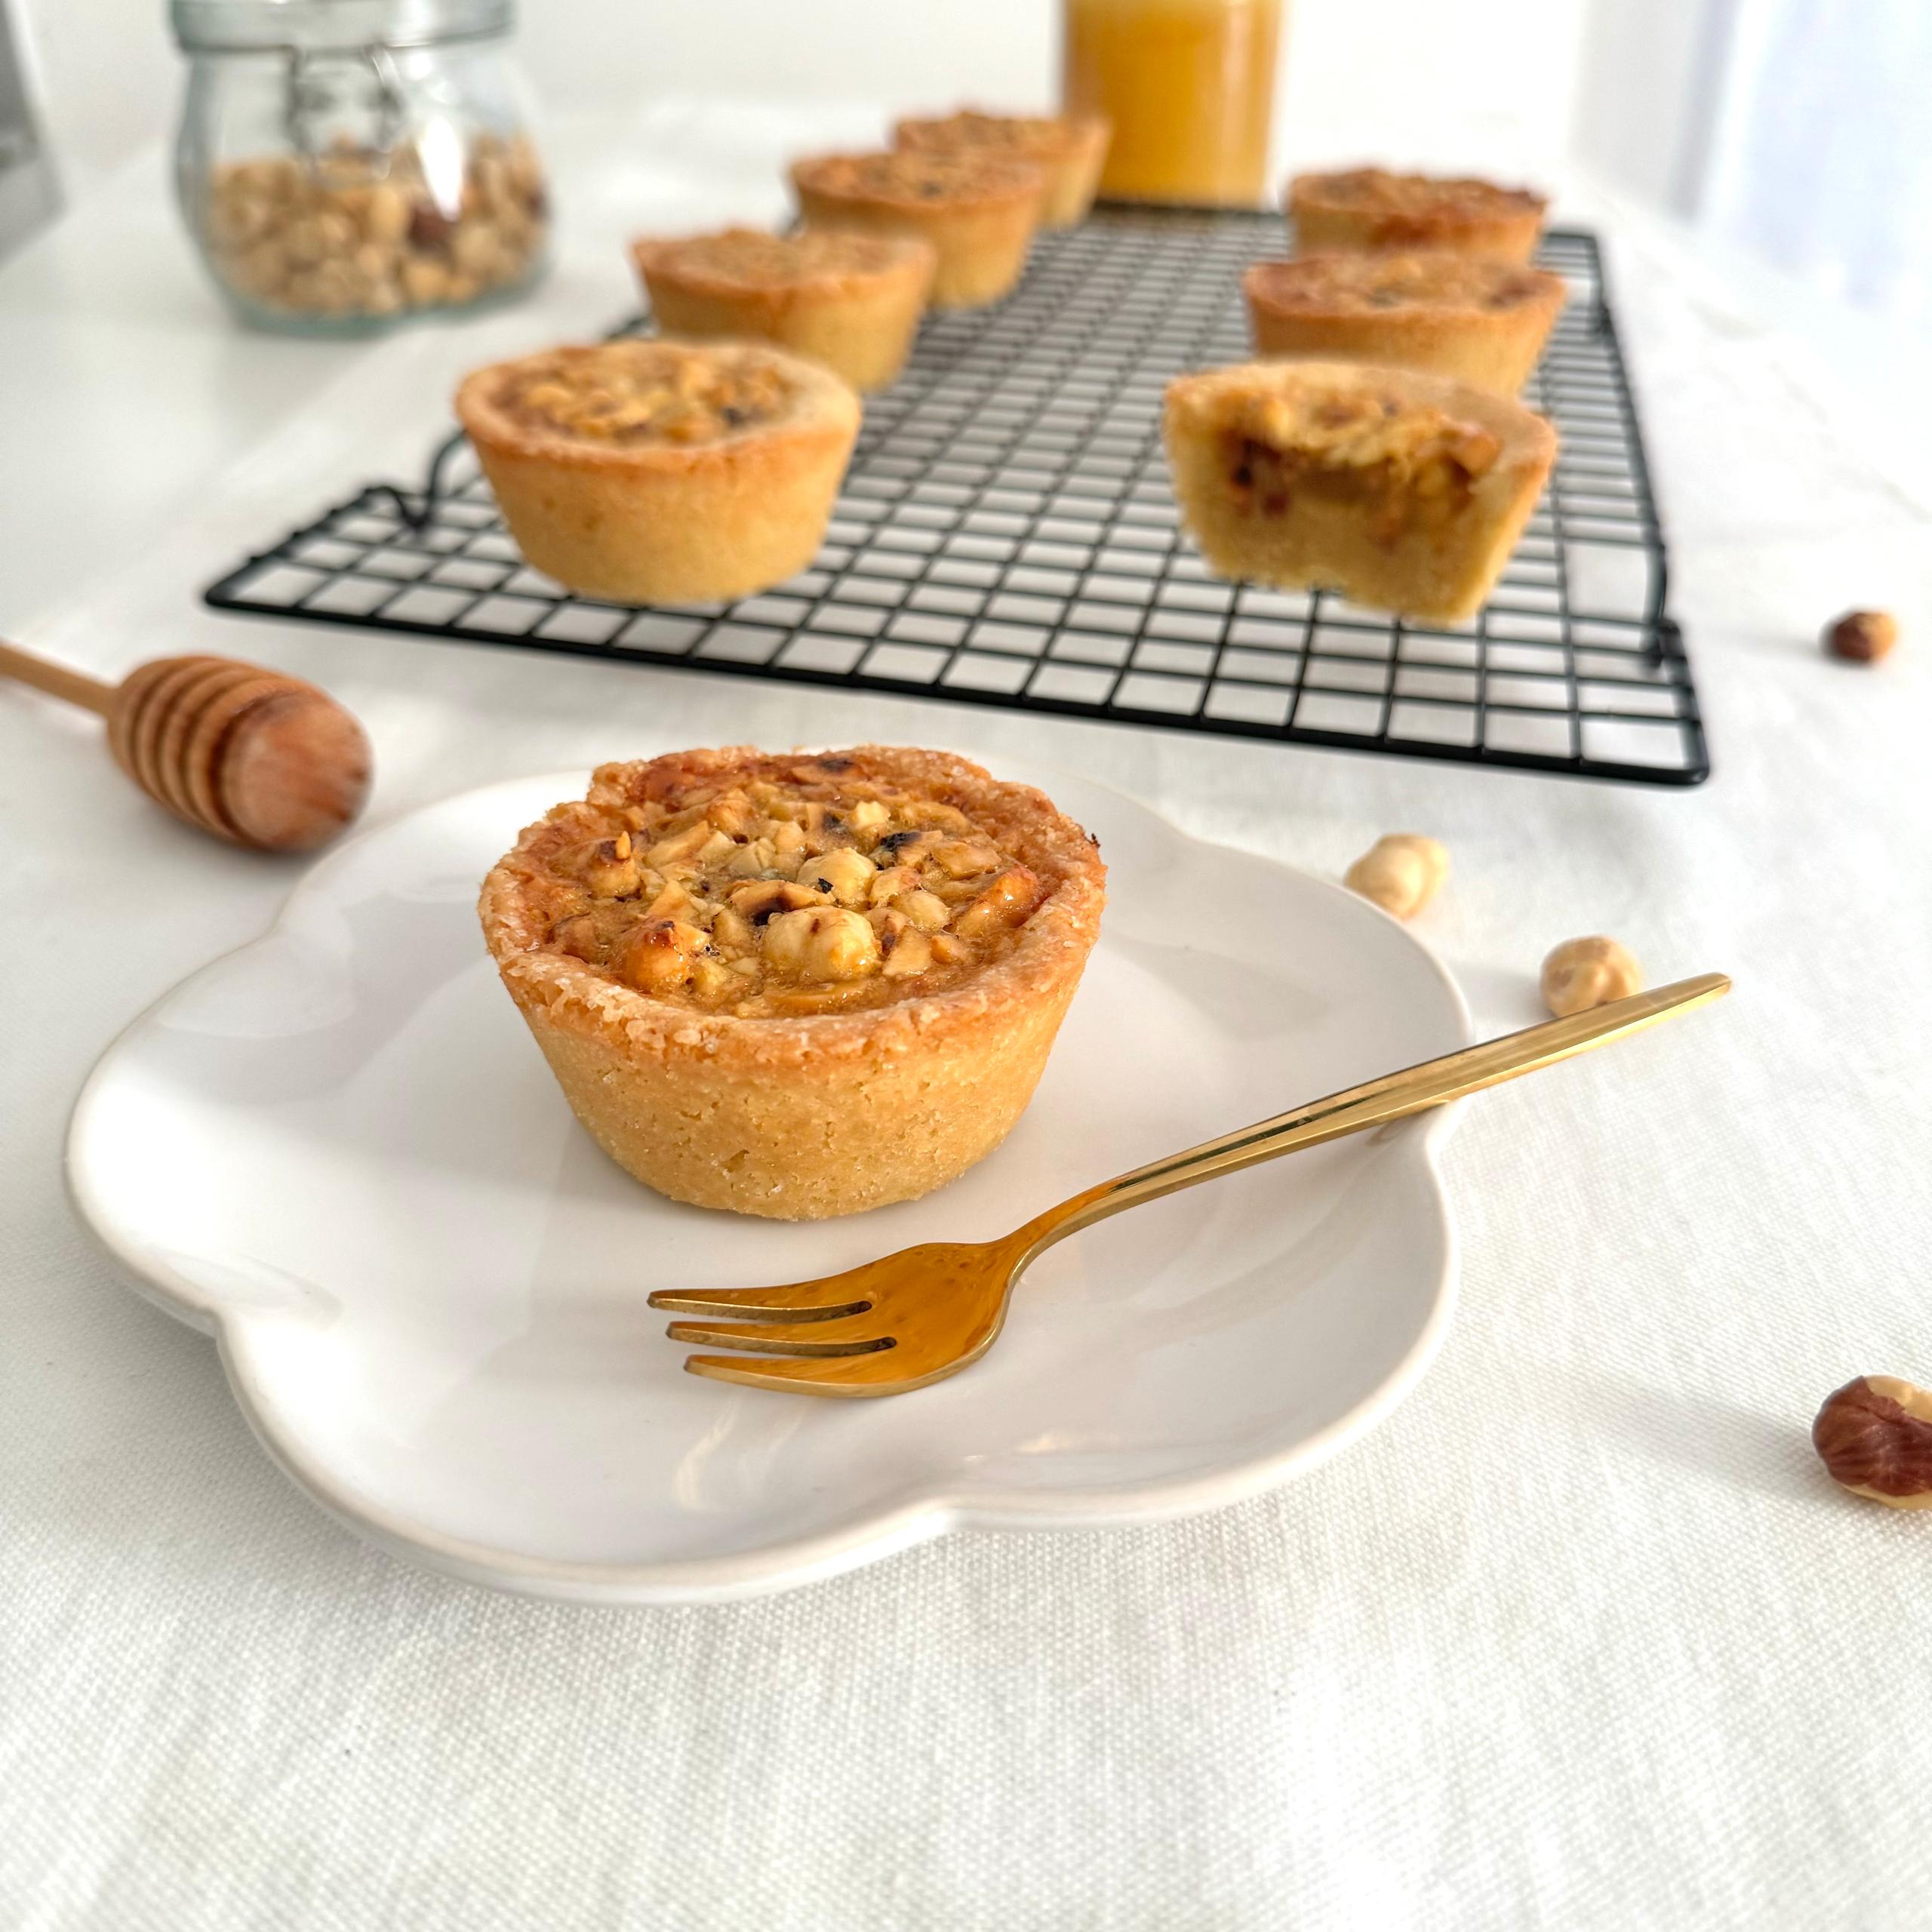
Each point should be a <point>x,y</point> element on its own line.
<point>338,1151</point>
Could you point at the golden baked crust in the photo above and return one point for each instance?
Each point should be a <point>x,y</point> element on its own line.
<point>1370,207</point>
<point>979,211</point>
<point>1401,490</point>
<point>1480,321</point>
<point>826,1094</point>
<point>852,301</point>
<point>660,472</point>
<point>1069,148</point>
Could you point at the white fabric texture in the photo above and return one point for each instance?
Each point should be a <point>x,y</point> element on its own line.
<point>1580,1637</point>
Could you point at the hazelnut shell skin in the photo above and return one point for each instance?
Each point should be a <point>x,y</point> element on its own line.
<point>1874,1437</point>
<point>1862,637</point>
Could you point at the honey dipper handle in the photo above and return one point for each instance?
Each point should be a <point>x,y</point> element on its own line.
<point>76,687</point>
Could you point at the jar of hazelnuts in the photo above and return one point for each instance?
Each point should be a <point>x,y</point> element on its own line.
<point>346,164</point>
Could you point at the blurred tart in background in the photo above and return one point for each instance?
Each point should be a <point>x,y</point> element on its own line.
<point>1400,490</point>
<point>653,472</point>
<point>1482,321</point>
<point>1370,207</point>
<point>979,211</point>
<point>1069,149</point>
<point>852,301</point>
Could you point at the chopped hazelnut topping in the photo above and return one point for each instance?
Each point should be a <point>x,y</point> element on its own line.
<point>917,178</point>
<point>1427,279</point>
<point>626,393</point>
<point>1409,462</point>
<point>752,258</point>
<point>1030,136</point>
<point>797,891</point>
<point>1421,197</point>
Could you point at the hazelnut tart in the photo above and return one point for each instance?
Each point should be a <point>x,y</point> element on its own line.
<point>650,471</point>
<point>979,210</point>
<point>1070,149</point>
<point>796,985</point>
<point>1400,490</point>
<point>852,301</point>
<point>1484,322</point>
<point>1369,207</point>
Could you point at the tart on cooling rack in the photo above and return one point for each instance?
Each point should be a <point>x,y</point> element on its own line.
<point>652,471</point>
<point>978,210</point>
<point>1401,490</point>
<point>796,985</point>
<point>1482,321</point>
<point>1070,149</point>
<point>1369,207</point>
<point>852,301</point>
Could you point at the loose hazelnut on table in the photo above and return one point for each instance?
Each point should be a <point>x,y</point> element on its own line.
<point>1583,973</point>
<point>1862,637</point>
<point>1874,1437</point>
<point>1401,873</point>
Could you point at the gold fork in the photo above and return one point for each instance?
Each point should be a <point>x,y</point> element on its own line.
<point>923,1314</point>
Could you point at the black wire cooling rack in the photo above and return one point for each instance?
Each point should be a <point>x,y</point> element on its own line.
<point>1007,536</point>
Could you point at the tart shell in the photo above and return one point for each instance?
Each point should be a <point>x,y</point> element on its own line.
<point>1070,151</point>
<point>665,523</point>
<point>1502,224</point>
<point>1289,314</point>
<point>801,1117</point>
<point>983,232</point>
<point>858,322</point>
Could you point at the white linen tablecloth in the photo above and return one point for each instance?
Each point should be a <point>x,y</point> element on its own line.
<point>1581,1638</point>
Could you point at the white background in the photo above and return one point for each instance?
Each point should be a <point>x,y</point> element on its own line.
<point>1505,70</point>
<point>1581,1639</point>
<point>1664,100</point>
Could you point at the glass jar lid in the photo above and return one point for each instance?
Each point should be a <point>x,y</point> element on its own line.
<point>262,26</point>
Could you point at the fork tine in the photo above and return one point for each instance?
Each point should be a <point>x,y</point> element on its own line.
<point>798,1301</point>
<point>869,1374</point>
<point>815,1337</point>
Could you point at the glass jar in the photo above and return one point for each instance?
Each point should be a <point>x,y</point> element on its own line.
<point>1189,86</point>
<point>346,164</point>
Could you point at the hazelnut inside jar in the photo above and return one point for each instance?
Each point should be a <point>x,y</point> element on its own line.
<point>346,164</point>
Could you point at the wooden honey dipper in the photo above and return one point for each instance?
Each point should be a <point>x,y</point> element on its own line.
<point>254,756</point>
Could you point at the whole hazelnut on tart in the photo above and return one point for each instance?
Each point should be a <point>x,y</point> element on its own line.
<point>1862,637</point>
<point>1874,1437</point>
<point>1581,974</point>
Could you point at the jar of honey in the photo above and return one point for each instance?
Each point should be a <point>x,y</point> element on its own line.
<point>1189,86</point>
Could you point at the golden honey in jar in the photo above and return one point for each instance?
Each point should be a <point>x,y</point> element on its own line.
<point>1189,86</point>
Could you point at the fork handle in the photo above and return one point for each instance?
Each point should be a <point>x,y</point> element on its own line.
<point>1394,1097</point>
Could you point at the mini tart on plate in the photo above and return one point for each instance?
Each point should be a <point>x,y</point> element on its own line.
<point>653,472</point>
<point>1070,149</point>
<point>1403,491</point>
<point>852,301</point>
<point>1369,207</point>
<point>978,210</point>
<point>1484,322</point>
<point>796,985</point>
